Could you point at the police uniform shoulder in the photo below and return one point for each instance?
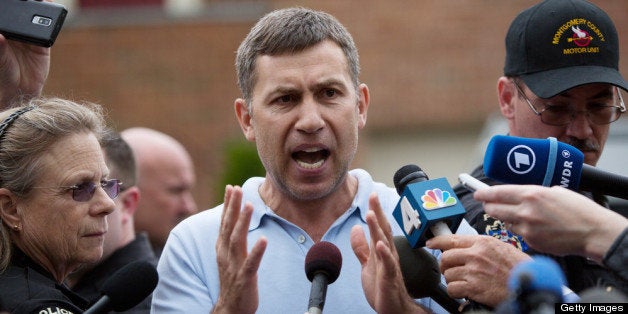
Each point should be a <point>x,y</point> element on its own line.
<point>43,306</point>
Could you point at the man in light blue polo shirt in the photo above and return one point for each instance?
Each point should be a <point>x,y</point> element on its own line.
<point>303,106</point>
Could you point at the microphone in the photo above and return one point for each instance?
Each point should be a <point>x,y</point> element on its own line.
<point>126,288</point>
<point>421,275</point>
<point>548,162</point>
<point>322,267</point>
<point>427,208</point>
<point>535,285</point>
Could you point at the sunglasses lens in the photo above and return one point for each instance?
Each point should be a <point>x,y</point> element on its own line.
<point>84,192</point>
<point>112,188</point>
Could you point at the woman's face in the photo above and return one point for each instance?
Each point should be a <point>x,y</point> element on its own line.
<point>57,231</point>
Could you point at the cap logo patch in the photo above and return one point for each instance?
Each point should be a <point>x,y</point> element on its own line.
<point>579,33</point>
<point>580,38</point>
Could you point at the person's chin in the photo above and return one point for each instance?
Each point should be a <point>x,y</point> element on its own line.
<point>92,255</point>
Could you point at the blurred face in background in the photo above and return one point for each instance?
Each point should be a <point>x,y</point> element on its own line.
<point>120,221</point>
<point>166,180</point>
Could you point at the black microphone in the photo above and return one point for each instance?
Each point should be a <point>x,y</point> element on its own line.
<point>126,288</point>
<point>548,162</point>
<point>322,267</point>
<point>426,208</point>
<point>421,275</point>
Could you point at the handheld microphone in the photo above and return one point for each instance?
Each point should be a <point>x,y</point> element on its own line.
<point>427,208</point>
<point>548,162</point>
<point>126,288</point>
<point>322,267</point>
<point>536,285</point>
<point>421,275</point>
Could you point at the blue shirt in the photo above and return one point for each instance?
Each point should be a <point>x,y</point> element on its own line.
<point>188,271</point>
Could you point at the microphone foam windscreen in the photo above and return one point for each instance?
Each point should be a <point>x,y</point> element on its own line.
<point>323,257</point>
<point>539,274</point>
<point>130,285</point>
<point>520,160</point>
<point>407,174</point>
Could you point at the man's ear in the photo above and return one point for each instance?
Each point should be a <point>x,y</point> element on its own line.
<point>506,94</point>
<point>245,119</point>
<point>363,104</point>
<point>129,200</point>
<point>8,209</point>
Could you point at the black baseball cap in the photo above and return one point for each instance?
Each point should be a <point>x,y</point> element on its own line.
<point>556,45</point>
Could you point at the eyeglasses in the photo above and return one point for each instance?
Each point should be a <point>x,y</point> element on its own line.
<point>84,192</point>
<point>559,115</point>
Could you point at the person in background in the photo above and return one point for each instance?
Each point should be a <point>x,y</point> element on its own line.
<point>560,80</point>
<point>303,106</point>
<point>165,178</point>
<point>24,69</point>
<point>55,194</point>
<point>122,245</point>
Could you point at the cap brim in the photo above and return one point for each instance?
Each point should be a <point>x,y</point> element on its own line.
<point>548,84</point>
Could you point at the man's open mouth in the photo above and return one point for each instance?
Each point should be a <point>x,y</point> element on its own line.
<point>311,158</point>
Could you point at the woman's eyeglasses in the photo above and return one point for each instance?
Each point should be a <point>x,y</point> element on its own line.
<point>84,192</point>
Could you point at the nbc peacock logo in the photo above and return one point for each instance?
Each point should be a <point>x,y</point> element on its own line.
<point>437,198</point>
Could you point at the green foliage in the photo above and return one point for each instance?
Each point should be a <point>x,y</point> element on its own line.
<point>241,162</point>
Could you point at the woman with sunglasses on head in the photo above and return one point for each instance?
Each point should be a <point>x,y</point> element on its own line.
<point>55,195</point>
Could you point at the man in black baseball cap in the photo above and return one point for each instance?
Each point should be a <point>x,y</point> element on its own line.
<point>560,80</point>
<point>561,75</point>
<point>558,45</point>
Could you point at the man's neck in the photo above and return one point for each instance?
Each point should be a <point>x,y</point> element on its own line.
<point>314,216</point>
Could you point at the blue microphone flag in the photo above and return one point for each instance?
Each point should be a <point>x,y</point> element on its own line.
<point>422,205</point>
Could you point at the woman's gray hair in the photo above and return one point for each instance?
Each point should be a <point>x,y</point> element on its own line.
<point>29,135</point>
<point>291,30</point>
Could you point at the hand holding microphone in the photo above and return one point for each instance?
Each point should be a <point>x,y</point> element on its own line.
<point>477,266</point>
<point>554,220</point>
<point>427,208</point>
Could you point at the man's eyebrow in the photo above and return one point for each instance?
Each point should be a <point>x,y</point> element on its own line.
<point>280,90</point>
<point>328,83</point>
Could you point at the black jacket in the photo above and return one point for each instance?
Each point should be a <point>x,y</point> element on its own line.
<point>26,287</point>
